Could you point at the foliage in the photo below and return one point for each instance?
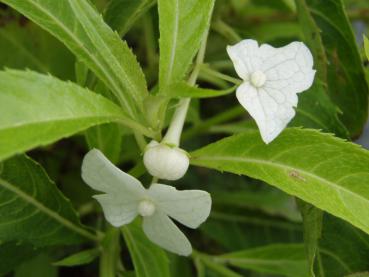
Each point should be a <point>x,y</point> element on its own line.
<point>114,74</point>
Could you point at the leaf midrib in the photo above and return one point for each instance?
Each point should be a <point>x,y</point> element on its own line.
<point>132,87</point>
<point>76,40</point>
<point>282,166</point>
<point>174,41</point>
<point>52,214</point>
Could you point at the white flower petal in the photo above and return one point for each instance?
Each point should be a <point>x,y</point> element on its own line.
<point>118,209</point>
<point>289,68</point>
<point>120,204</point>
<point>245,58</point>
<point>271,109</point>
<point>100,174</point>
<point>273,77</point>
<point>160,229</point>
<point>189,207</point>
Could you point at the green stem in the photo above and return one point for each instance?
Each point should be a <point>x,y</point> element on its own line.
<point>109,259</point>
<point>211,263</point>
<point>141,142</point>
<point>206,69</point>
<point>218,119</point>
<point>226,31</point>
<point>174,132</point>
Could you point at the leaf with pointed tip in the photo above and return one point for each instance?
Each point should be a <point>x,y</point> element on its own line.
<point>80,258</point>
<point>77,24</point>
<point>38,110</point>
<point>318,168</point>
<point>33,209</point>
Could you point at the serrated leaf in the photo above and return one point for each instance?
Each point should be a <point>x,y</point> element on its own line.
<point>184,90</point>
<point>122,14</point>
<point>320,169</point>
<point>33,209</point>
<point>281,259</point>
<point>30,48</point>
<point>77,24</point>
<point>38,109</point>
<point>346,79</point>
<point>182,24</point>
<point>148,259</point>
<point>80,258</point>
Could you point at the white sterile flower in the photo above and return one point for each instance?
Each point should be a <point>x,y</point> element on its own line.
<point>125,198</point>
<point>165,161</point>
<point>272,78</point>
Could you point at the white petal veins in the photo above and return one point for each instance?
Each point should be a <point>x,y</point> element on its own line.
<point>288,71</point>
<point>162,231</point>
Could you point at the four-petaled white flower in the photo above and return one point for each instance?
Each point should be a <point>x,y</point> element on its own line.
<point>125,198</point>
<point>272,78</point>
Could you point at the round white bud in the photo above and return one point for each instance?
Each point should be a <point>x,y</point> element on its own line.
<point>165,162</point>
<point>258,79</point>
<point>146,208</point>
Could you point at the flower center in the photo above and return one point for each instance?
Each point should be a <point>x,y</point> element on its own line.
<point>258,79</point>
<point>146,208</point>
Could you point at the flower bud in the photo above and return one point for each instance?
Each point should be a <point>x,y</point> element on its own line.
<point>165,162</point>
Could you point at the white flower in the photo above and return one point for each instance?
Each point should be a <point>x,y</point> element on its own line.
<point>272,78</point>
<point>125,198</point>
<point>165,161</point>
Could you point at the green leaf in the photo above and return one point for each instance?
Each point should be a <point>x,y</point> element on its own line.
<point>313,220</point>
<point>315,110</point>
<point>82,30</point>
<point>30,48</point>
<point>80,258</point>
<point>33,209</point>
<point>148,259</point>
<point>38,109</point>
<point>13,254</point>
<point>122,14</point>
<point>318,168</point>
<point>38,266</point>
<point>346,79</point>
<point>281,259</point>
<point>366,46</point>
<point>343,249</point>
<point>184,90</point>
<point>182,24</point>
<point>108,139</point>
